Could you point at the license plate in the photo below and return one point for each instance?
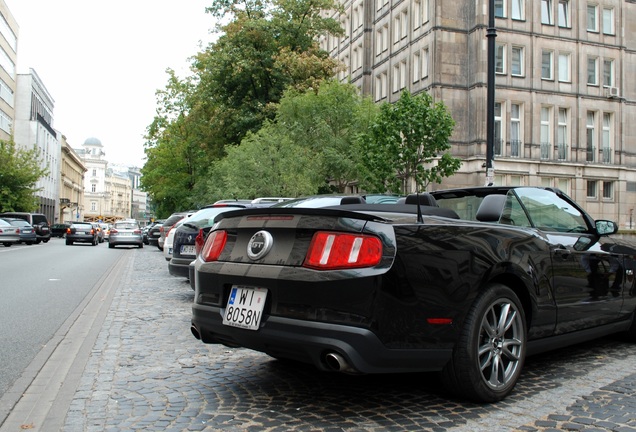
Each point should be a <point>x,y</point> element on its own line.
<point>245,307</point>
<point>187,250</point>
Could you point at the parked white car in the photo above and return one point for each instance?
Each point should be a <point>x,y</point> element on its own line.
<point>167,244</point>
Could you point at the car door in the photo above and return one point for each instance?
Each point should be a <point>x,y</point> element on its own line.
<point>587,278</point>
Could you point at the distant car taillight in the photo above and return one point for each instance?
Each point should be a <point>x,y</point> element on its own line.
<point>214,246</point>
<point>92,230</point>
<point>198,242</point>
<point>113,231</point>
<point>332,251</point>
<point>137,231</point>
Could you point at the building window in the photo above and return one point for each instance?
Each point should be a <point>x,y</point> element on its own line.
<point>500,9</point>
<point>592,18</point>
<point>516,63</point>
<point>564,67</point>
<point>93,206</point>
<point>382,40</point>
<point>425,63</point>
<point>420,13</point>
<point>515,130</point>
<point>497,131</point>
<point>546,65</point>
<point>93,188</point>
<point>608,190</point>
<point>546,12</point>
<point>94,172</point>
<point>562,134</point>
<point>546,132</point>
<point>608,73</point>
<point>592,71</point>
<point>517,10</point>
<point>500,59</point>
<point>400,27</point>
<point>591,189</point>
<point>608,21</point>
<point>607,138</point>
<point>564,13</point>
<point>381,86</point>
<point>590,136</point>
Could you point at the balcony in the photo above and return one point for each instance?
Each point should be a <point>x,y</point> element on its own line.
<point>606,155</point>
<point>545,151</point>
<point>562,152</point>
<point>515,148</point>
<point>589,154</point>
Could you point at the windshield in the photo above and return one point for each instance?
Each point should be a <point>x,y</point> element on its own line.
<point>205,217</point>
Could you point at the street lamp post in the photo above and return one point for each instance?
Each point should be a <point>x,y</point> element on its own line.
<point>491,34</point>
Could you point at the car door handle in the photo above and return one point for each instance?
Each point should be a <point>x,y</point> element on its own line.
<point>562,252</point>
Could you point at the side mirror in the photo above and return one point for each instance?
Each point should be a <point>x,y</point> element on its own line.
<point>606,227</point>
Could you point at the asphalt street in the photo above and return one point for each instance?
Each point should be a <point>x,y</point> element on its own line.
<point>127,361</point>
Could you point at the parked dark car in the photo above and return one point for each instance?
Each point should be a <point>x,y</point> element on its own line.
<point>168,224</point>
<point>154,233</point>
<point>26,231</point>
<point>59,230</point>
<point>82,232</point>
<point>468,285</point>
<point>37,221</point>
<point>183,246</point>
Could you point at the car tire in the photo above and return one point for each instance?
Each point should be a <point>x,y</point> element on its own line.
<point>69,242</point>
<point>46,241</point>
<point>488,356</point>
<point>111,246</point>
<point>7,244</point>
<point>141,245</point>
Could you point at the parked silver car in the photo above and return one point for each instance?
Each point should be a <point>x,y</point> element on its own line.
<point>125,232</point>
<point>9,234</point>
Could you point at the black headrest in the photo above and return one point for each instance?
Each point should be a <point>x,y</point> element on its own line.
<point>352,200</point>
<point>424,199</point>
<point>491,208</point>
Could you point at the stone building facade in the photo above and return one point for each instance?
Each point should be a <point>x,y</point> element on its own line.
<point>71,184</point>
<point>564,94</point>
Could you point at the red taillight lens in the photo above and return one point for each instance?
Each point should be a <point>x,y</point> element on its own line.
<point>198,242</point>
<point>214,246</point>
<point>137,231</point>
<point>68,230</point>
<point>331,251</point>
<point>113,231</point>
<point>17,230</point>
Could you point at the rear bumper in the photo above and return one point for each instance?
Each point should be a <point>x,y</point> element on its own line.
<point>180,267</point>
<point>311,342</point>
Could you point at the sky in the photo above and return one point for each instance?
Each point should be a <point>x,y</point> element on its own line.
<point>103,61</point>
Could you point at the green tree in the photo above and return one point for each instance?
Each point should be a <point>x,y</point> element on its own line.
<point>266,163</point>
<point>176,156</point>
<point>328,121</point>
<point>405,142</point>
<point>19,172</point>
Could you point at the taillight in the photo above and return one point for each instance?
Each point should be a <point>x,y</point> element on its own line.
<point>214,246</point>
<point>331,251</point>
<point>17,230</point>
<point>68,230</point>
<point>137,231</point>
<point>198,242</point>
<point>92,230</point>
<point>113,231</point>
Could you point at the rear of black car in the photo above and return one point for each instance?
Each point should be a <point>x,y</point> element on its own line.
<point>183,246</point>
<point>264,281</point>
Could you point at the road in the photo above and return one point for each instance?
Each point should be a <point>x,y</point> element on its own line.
<point>41,285</point>
<point>129,362</point>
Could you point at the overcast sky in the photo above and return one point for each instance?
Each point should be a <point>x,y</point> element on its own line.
<point>102,62</point>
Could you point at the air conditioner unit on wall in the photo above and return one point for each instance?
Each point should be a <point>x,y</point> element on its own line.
<point>611,92</point>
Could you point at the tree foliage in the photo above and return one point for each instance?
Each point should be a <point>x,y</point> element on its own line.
<point>20,170</point>
<point>235,86</point>
<point>408,140</point>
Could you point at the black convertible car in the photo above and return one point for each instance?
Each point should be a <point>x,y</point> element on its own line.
<point>467,282</point>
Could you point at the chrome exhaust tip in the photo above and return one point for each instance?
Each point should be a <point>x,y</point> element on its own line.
<point>337,363</point>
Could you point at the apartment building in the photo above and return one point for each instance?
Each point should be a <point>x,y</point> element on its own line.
<point>8,59</point>
<point>71,184</point>
<point>564,93</point>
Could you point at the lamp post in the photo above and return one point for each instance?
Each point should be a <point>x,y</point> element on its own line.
<point>491,34</point>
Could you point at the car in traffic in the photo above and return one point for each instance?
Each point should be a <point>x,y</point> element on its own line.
<point>125,232</point>
<point>26,231</point>
<point>9,234</point>
<point>82,232</point>
<point>468,284</point>
<point>59,230</point>
<point>37,220</point>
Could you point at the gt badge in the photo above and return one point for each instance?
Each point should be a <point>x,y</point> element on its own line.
<point>259,245</point>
